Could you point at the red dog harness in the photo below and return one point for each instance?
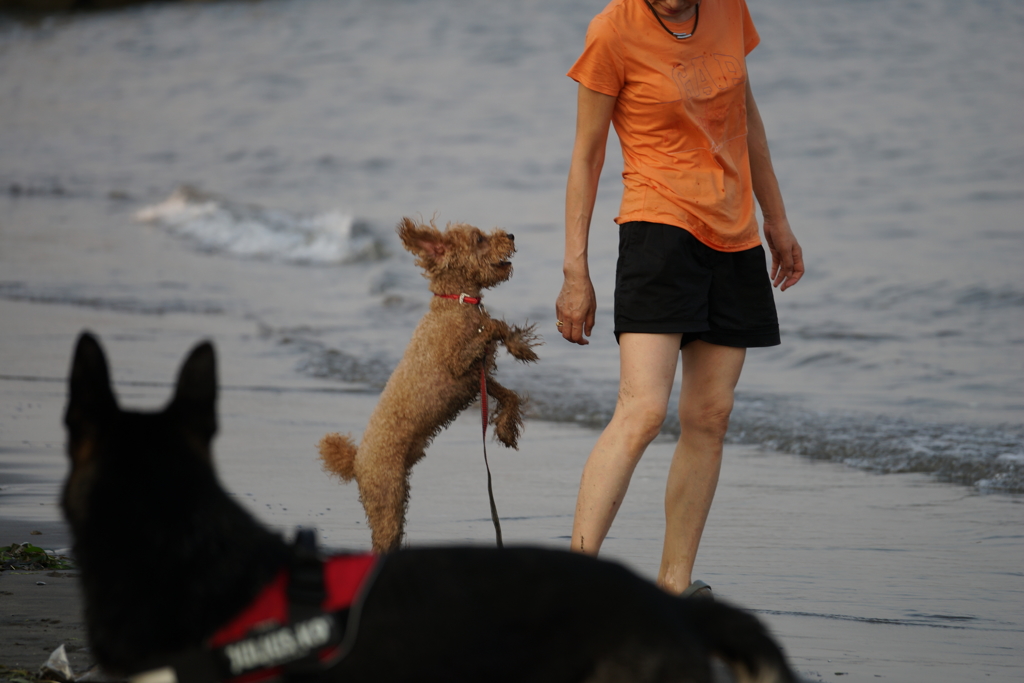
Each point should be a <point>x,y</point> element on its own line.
<point>267,635</point>
<point>302,622</point>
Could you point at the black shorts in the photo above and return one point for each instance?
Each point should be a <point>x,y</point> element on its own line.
<point>667,281</point>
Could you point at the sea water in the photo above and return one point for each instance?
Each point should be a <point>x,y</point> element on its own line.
<point>249,160</point>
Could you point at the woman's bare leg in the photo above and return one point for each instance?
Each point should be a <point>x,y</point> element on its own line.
<point>710,374</point>
<point>647,367</point>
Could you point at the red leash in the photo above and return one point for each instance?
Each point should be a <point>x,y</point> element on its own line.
<point>483,414</point>
<point>465,299</point>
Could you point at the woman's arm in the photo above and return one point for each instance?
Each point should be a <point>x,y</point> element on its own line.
<point>577,303</point>
<point>787,257</point>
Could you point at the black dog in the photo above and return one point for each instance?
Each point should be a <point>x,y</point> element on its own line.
<point>172,597</point>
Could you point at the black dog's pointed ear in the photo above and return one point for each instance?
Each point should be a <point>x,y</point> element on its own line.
<point>89,393</point>
<point>196,393</point>
<point>424,241</point>
<point>90,398</point>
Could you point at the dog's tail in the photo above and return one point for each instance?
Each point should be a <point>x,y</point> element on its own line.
<point>338,453</point>
<point>741,641</point>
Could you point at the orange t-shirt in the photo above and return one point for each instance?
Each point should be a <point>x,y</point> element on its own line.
<point>680,115</point>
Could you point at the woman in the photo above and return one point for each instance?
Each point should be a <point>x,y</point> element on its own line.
<point>691,278</point>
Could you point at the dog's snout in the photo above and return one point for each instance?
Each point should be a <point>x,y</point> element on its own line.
<point>511,237</point>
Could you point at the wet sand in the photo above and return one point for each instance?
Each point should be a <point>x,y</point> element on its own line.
<point>860,576</point>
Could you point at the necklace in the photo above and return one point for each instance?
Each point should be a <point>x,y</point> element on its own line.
<point>677,36</point>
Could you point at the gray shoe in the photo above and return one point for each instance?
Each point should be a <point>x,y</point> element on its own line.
<point>697,589</point>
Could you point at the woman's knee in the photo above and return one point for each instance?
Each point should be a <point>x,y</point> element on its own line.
<point>710,416</point>
<point>642,421</point>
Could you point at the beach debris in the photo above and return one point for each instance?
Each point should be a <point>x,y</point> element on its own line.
<point>28,557</point>
<point>57,668</point>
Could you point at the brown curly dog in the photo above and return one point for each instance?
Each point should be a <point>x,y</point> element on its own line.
<point>439,375</point>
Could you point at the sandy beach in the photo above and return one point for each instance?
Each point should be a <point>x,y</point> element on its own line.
<point>860,576</point>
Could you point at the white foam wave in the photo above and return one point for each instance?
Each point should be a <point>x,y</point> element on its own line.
<point>215,224</point>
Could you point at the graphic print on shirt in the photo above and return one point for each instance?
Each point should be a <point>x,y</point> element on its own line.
<point>701,78</point>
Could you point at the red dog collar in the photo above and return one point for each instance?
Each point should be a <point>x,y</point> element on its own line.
<point>462,298</point>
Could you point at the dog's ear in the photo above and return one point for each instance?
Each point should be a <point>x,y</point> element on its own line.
<point>424,241</point>
<point>196,394</point>
<point>91,400</point>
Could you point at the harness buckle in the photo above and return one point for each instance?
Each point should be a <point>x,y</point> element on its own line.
<point>306,593</point>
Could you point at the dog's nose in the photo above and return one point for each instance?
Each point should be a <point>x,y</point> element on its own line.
<point>512,237</point>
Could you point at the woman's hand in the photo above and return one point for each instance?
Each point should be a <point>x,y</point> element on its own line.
<point>576,303</point>
<point>787,256</point>
<point>575,309</point>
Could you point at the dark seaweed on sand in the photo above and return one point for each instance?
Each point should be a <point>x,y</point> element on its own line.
<point>27,557</point>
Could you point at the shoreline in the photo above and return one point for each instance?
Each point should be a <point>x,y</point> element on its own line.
<point>873,577</point>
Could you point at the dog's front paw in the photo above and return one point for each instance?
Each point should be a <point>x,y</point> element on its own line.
<point>507,426</point>
<point>520,342</point>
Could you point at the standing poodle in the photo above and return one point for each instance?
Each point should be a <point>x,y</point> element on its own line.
<point>439,375</point>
